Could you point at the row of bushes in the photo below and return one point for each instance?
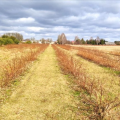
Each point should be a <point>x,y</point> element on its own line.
<point>96,101</point>
<point>16,66</point>
<point>4,40</point>
<point>96,56</point>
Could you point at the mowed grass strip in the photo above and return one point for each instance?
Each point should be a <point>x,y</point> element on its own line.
<point>44,93</point>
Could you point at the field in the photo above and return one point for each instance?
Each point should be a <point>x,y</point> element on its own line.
<point>104,48</point>
<point>59,82</point>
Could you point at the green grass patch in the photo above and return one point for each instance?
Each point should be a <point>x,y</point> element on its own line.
<point>111,70</point>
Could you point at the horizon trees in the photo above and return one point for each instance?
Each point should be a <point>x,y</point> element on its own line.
<point>16,35</point>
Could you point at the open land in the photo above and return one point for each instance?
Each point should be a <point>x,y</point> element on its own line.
<point>62,82</point>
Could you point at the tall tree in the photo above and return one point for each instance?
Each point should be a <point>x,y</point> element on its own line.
<point>62,39</point>
<point>17,35</point>
<point>97,40</point>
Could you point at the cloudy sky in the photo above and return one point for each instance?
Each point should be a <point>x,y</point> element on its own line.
<point>49,18</point>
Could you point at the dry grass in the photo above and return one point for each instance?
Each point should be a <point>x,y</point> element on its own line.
<point>97,56</point>
<point>101,84</point>
<point>102,48</point>
<point>17,63</point>
<point>44,94</point>
<point>95,71</point>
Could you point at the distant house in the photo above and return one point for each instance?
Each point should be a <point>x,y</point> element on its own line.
<point>109,43</point>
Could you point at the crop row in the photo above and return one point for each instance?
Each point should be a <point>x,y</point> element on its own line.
<point>17,65</point>
<point>117,53</point>
<point>22,46</point>
<point>96,56</point>
<point>96,101</point>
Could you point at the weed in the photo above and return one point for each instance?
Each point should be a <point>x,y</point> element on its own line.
<point>96,102</point>
<point>17,65</point>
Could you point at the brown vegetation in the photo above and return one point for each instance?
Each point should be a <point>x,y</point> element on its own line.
<point>96,102</point>
<point>17,65</point>
<point>96,56</point>
<point>116,53</point>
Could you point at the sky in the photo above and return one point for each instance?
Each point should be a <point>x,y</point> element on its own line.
<point>49,18</point>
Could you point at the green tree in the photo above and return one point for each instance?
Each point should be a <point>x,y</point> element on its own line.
<point>102,41</point>
<point>16,35</point>
<point>82,41</point>
<point>8,41</point>
<point>4,36</point>
<point>1,41</point>
<point>16,41</point>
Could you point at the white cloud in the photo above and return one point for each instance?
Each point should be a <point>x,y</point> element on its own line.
<point>60,28</point>
<point>73,17</point>
<point>113,19</point>
<point>35,29</point>
<point>26,20</point>
<point>93,16</point>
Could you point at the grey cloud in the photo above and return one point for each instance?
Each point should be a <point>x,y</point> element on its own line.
<point>75,17</point>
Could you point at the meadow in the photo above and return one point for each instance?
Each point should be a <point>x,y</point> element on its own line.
<point>85,79</point>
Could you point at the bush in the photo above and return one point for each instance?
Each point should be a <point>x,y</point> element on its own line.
<point>14,40</point>
<point>8,41</point>
<point>28,42</point>
<point>1,41</point>
<point>4,36</point>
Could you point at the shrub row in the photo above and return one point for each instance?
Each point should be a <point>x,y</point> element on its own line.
<point>96,56</point>
<point>96,102</point>
<point>15,67</point>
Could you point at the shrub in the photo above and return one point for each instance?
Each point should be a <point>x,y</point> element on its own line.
<point>28,42</point>
<point>8,41</point>
<point>16,41</point>
<point>17,65</point>
<point>96,101</point>
<point>4,36</point>
<point>1,41</point>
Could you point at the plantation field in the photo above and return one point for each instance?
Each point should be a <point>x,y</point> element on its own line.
<point>98,74</point>
<point>104,48</point>
<point>44,93</point>
<point>14,59</point>
<point>60,82</point>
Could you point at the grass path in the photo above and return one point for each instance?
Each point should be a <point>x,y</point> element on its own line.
<point>43,94</point>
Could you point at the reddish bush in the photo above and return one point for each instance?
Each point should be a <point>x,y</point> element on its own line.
<point>96,56</point>
<point>18,64</point>
<point>95,101</point>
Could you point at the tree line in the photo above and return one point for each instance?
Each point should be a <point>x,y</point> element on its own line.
<point>11,38</point>
<point>4,40</point>
<point>63,40</point>
<point>18,36</point>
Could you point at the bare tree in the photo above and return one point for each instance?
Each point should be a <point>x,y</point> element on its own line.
<point>17,35</point>
<point>97,40</point>
<point>62,39</point>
